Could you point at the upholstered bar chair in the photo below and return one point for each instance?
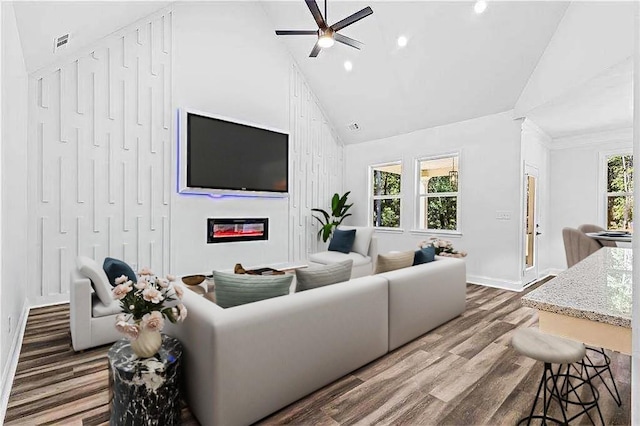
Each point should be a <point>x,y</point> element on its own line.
<point>588,228</point>
<point>577,245</point>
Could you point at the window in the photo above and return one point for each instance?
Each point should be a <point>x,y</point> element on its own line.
<point>619,200</point>
<point>385,184</point>
<point>438,193</point>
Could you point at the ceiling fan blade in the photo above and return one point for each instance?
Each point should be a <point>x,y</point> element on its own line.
<point>317,15</point>
<point>351,19</point>
<point>314,52</point>
<point>348,41</point>
<point>297,32</point>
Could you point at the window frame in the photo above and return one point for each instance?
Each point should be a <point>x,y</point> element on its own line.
<point>419,195</point>
<point>604,194</point>
<point>373,197</point>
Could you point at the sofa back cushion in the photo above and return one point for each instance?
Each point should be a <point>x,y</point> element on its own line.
<point>362,240</point>
<point>90,269</point>
<point>238,289</point>
<point>342,241</point>
<point>319,276</point>
<point>114,268</point>
<point>392,261</point>
<point>424,255</point>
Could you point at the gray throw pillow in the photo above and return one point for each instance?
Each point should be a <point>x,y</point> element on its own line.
<point>319,276</point>
<point>238,289</point>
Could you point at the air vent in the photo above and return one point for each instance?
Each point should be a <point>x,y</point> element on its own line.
<point>61,42</point>
<point>354,127</point>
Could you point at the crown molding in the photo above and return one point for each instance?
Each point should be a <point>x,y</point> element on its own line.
<point>543,137</point>
<point>624,135</point>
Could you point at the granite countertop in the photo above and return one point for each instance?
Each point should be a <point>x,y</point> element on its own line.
<point>598,288</point>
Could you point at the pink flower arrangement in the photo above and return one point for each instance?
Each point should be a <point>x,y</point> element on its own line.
<point>144,302</point>
<point>442,247</point>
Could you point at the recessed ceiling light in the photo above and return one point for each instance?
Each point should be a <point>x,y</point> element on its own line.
<point>402,41</point>
<point>480,6</point>
<point>348,65</point>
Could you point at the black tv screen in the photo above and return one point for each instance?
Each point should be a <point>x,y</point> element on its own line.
<point>231,156</point>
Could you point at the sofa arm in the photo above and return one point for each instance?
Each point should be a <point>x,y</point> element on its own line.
<point>423,297</point>
<point>80,311</point>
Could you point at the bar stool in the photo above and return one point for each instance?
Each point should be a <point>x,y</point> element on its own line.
<point>564,352</point>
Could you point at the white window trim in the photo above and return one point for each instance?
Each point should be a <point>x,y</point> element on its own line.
<point>603,195</point>
<point>372,197</point>
<point>418,195</point>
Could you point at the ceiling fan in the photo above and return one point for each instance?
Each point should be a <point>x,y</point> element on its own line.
<point>328,34</point>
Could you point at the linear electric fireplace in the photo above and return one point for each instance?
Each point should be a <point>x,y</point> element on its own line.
<point>227,230</point>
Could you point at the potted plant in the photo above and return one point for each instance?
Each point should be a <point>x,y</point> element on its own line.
<point>328,222</point>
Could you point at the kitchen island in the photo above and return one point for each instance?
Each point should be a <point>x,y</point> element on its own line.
<point>589,302</point>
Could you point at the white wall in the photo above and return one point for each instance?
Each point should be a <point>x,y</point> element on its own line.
<point>489,182</point>
<point>535,152</point>
<point>248,75</point>
<point>576,195</point>
<point>14,187</point>
<point>99,154</point>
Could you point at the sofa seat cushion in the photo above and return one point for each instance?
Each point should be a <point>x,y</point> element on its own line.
<point>320,276</point>
<point>238,289</point>
<point>329,257</point>
<point>99,309</point>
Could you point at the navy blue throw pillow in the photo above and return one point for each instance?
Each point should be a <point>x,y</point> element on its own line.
<point>424,255</point>
<point>342,241</point>
<point>114,268</point>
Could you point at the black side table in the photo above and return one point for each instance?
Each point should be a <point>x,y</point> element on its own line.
<point>146,391</point>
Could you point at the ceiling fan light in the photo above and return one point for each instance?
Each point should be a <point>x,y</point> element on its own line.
<point>480,6</point>
<point>325,41</point>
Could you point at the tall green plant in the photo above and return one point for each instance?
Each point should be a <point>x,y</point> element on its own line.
<point>328,222</point>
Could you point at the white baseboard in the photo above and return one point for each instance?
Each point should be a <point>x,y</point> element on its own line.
<point>497,283</point>
<point>10,366</point>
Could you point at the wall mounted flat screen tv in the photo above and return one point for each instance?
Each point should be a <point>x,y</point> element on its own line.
<point>228,155</point>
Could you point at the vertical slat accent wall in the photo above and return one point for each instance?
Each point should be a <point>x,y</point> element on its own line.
<point>315,167</point>
<point>100,136</point>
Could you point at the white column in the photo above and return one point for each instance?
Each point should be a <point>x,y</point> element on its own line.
<point>635,322</point>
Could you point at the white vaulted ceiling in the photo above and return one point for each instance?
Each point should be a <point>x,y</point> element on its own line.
<point>39,22</point>
<point>457,65</point>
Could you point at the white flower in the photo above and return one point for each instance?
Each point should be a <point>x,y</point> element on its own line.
<point>171,277</point>
<point>121,290</point>
<point>163,283</point>
<point>122,279</point>
<point>131,307</point>
<point>121,318</point>
<point>141,284</point>
<point>131,331</point>
<point>153,295</point>
<point>153,321</point>
<point>183,312</point>
<point>179,291</point>
<point>145,271</point>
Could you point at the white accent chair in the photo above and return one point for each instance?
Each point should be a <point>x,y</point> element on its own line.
<point>364,252</point>
<point>92,322</point>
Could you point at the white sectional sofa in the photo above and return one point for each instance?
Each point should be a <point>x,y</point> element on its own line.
<point>246,362</point>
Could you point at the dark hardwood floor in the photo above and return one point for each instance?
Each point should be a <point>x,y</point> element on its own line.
<point>462,373</point>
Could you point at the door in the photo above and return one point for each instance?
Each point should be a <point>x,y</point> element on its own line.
<point>531,227</point>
